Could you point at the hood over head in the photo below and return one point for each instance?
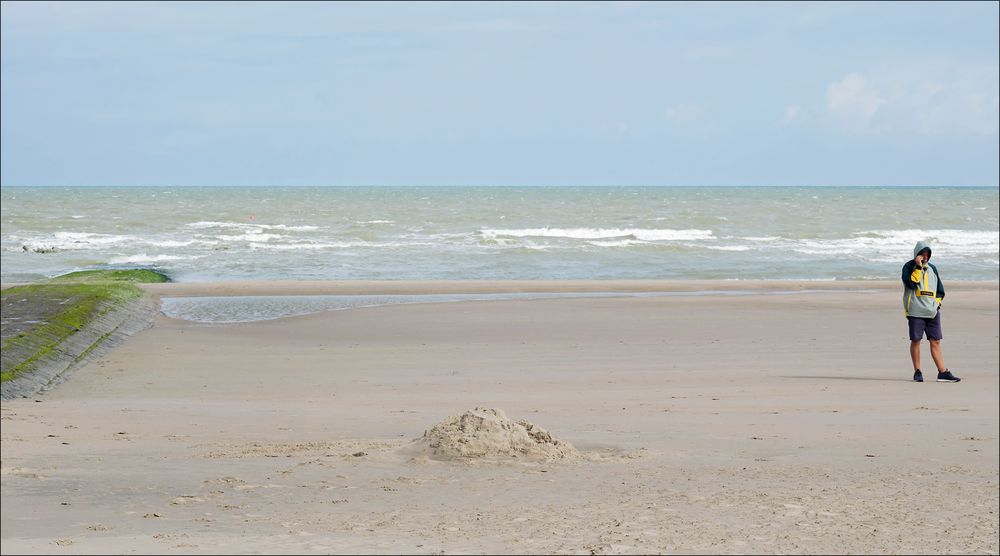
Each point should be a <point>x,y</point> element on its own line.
<point>920,246</point>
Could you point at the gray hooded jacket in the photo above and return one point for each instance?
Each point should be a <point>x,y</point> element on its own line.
<point>923,291</point>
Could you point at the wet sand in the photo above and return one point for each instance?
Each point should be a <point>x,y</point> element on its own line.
<point>735,424</point>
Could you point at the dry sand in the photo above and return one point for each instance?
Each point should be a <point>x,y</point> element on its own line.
<point>714,424</point>
<point>485,435</point>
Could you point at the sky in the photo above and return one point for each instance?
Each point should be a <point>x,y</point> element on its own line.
<point>540,93</point>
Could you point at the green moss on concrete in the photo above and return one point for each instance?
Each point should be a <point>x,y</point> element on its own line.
<point>137,275</point>
<point>82,297</point>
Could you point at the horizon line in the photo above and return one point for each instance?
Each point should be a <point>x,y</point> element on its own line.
<point>967,186</point>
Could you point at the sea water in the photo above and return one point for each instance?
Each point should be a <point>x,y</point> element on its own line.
<point>239,233</point>
<point>251,308</point>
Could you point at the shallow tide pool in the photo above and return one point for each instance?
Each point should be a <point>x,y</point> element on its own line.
<point>250,308</point>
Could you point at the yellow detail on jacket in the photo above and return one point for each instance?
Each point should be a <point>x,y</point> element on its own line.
<point>922,290</point>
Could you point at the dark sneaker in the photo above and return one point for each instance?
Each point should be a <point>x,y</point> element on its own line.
<point>947,377</point>
<point>918,376</point>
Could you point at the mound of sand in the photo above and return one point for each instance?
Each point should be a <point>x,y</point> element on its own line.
<point>488,434</point>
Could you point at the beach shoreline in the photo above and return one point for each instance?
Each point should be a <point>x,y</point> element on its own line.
<point>429,287</point>
<point>422,287</point>
<point>735,424</point>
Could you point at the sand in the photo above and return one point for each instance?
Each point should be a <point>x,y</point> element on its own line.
<point>487,435</point>
<point>725,424</point>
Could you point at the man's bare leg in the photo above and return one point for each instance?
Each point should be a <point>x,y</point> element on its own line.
<point>936,355</point>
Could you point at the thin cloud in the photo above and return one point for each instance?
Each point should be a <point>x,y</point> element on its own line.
<point>853,101</point>
<point>704,52</point>
<point>682,115</point>
<point>498,26</point>
<point>794,114</point>
<point>931,98</point>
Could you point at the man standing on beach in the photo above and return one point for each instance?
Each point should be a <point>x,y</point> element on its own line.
<point>923,293</point>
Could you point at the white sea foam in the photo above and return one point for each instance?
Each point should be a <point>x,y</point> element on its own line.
<point>207,224</point>
<point>91,238</point>
<point>73,241</point>
<point>961,238</point>
<point>728,247</point>
<point>889,245</point>
<point>251,226</point>
<point>618,242</point>
<point>144,258</point>
<point>178,243</point>
<point>255,236</point>
<point>312,246</point>
<point>289,228</point>
<point>300,246</point>
<point>645,234</point>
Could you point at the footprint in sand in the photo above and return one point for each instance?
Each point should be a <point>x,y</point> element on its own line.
<point>22,472</point>
<point>187,499</point>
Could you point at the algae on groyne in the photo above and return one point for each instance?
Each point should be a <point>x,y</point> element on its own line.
<point>50,328</point>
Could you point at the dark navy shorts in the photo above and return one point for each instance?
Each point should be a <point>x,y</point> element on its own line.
<point>920,326</point>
